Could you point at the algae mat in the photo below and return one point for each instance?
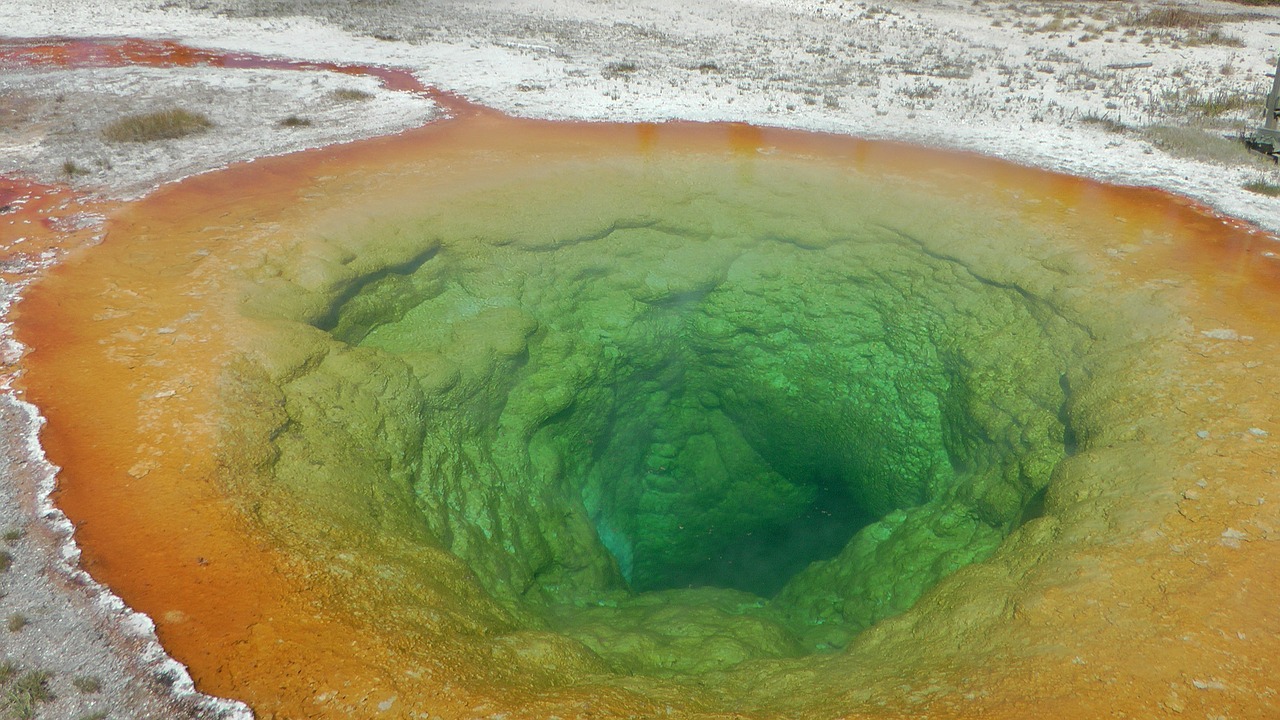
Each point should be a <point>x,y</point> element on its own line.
<point>506,418</point>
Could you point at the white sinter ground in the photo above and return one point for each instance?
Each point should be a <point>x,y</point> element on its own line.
<point>1132,93</point>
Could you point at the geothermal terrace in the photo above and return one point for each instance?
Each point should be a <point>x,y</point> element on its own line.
<point>699,360</point>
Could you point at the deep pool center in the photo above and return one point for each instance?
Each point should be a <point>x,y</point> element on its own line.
<point>669,414</point>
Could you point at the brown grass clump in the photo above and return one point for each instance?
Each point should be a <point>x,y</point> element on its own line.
<point>1263,187</point>
<point>1213,36</point>
<point>1188,27</point>
<point>1211,105</point>
<point>71,168</point>
<point>350,95</point>
<point>26,693</point>
<point>162,125</point>
<point>1174,18</point>
<point>88,684</point>
<point>1196,143</point>
<point>1110,124</point>
<point>618,70</point>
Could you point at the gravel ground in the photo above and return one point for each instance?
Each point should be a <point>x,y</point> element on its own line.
<point>1107,90</point>
<point>55,120</point>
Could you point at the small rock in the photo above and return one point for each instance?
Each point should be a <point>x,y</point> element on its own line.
<point>1231,537</point>
<point>1202,434</point>
<point>1258,432</point>
<point>1221,334</point>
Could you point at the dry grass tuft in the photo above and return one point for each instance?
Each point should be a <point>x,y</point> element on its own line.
<point>618,70</point>
<point>1262,187</point>
<point>1213,36</point>
<point>163,125</point>
<point>1221,103</point>
<point>26,693</point>
<point>87,684</point>
<point>1197,144</point>
<point>71,168</point>
<point>1211,105</point>
<point>350,95</point>
<point>1188,27</point>
<point>922,91</point>
<point>1172,18</point>
<point>1110,124</point>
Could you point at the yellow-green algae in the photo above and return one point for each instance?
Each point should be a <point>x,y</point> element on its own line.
<point>537,410</point>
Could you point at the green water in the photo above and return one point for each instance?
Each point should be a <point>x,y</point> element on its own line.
<point>685,413</point>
